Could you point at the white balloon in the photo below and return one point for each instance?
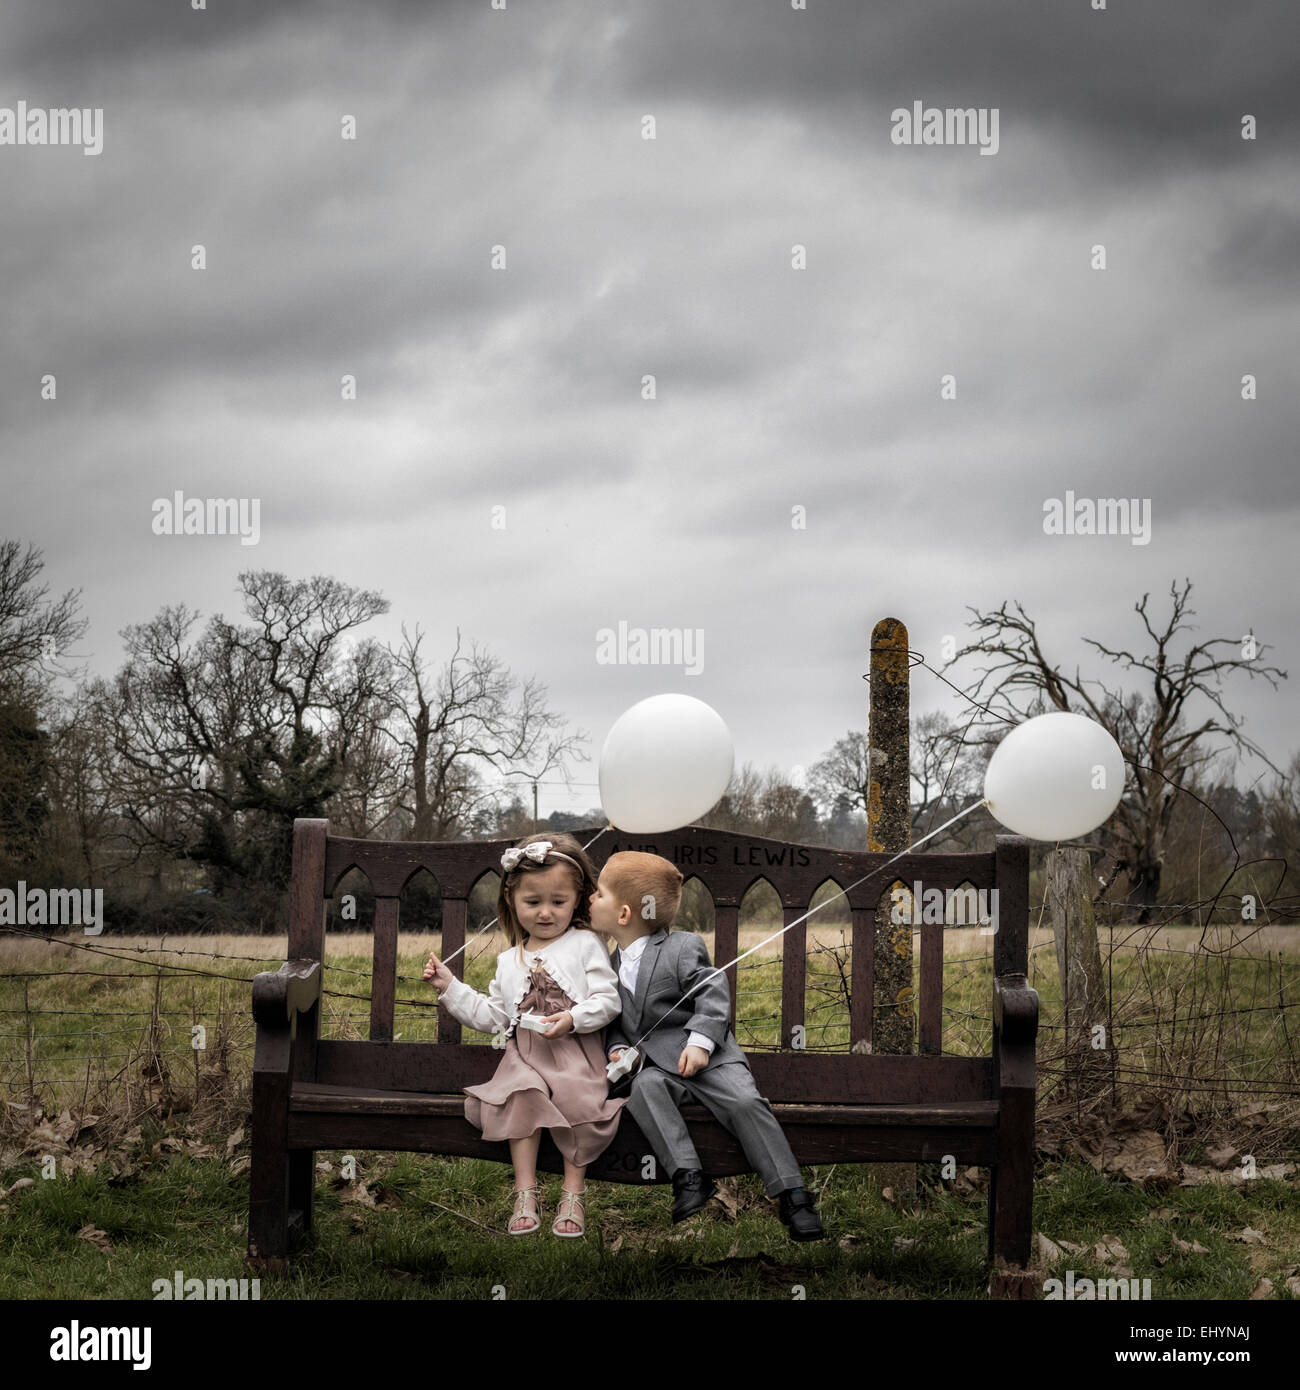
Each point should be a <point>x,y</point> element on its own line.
<point>1055,777</point>
<point>665,762</point>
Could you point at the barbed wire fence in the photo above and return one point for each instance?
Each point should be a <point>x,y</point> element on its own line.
<point>1174,1031</point>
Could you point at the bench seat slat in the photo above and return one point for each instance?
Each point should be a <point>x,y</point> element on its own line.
<point>311,1098</point>
<point>806,1078</point>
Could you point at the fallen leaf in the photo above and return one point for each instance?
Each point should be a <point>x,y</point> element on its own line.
<point>359,1193</point>
<point>1142,1155</point>
<point>904,1242</point>
<point>44,1137</point>
<point>96,1237</point>
<point>1047,1250</point>
<point>1195,1248</point>
<point>1263,1289</point>
<point>235,1140</point>
<point>22,1182</point>
<point>726,1198</point>
<point>1248,1236</point>
<point>1222,1154</point>
<point>1194,1176</point>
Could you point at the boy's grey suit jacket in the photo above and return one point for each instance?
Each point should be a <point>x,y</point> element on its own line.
<point>672,964</point>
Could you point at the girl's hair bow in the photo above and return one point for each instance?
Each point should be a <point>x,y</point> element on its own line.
<point>537,851</point>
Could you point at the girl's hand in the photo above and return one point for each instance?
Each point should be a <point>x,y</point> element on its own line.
<point>438,973</point>
<point>561,1024</point>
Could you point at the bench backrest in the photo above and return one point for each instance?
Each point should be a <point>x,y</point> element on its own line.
<point>727,865</point>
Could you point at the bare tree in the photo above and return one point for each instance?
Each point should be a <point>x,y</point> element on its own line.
<point>844,772</point>
<point>1166,733</point>
<point>32,631</point>
<point>944,771</point>
<point>224,741</point>
<point>765,803</point>
<point>738,808</point>
<point>472,719</point>
<point>34,637</point>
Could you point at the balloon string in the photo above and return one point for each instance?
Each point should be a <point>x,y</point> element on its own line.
<point>495,920</point>
<point>902,854</point>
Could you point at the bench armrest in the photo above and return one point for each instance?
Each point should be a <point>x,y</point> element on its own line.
<point>280,995</point>
<point>1015,1008</point>
<point>1015,1028</point>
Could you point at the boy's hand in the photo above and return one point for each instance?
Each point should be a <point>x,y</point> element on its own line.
<point>561,1024</point>
<point>438,973</point>
<point>693,1059</point>
<point>615,1053</point>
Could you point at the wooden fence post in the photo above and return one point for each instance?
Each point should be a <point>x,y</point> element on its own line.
<point>1078,962</point>
<point>889,830</point>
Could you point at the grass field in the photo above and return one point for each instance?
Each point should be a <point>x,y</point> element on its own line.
<point>142,1185</point>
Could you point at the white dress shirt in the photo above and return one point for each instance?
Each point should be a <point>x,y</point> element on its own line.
<point>628,965</point>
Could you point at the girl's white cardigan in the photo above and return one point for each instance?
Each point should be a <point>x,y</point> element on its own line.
<point>577,961</point>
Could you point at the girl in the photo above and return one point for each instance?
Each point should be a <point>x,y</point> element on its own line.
<point>555,966</point>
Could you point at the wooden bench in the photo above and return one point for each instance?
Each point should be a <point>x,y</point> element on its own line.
<point>312,1093</point>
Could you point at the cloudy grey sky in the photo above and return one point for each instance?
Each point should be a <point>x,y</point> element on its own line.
<point>626,257</point>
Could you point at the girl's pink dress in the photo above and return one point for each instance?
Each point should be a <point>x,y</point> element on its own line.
<point>549,1083</point>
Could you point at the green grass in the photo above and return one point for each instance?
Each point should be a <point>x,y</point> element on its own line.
<point>172,1211</point>
<point>187,1214</point>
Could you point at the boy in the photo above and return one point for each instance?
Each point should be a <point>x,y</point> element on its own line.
<point>691,1052</point>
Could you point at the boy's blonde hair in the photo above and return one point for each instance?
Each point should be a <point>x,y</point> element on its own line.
<point>581,873</point>
<point>635,876</point>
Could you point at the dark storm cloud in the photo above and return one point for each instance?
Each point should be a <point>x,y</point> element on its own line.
<point>671,257</point>
<point>1146,82</point>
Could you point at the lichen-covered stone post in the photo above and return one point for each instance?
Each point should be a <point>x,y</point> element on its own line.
<point>889,829</point>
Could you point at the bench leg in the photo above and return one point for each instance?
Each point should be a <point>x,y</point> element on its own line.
<point>268,1206</point>
<point>302,1191</point>
<point>1011,1183</point>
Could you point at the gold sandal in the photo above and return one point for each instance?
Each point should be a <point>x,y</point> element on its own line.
<point>569,1199</point>
<point>522,1196</point>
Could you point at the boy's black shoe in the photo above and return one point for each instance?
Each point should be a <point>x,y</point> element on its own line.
<point>798,1210</point>
<point>692,1190</point>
